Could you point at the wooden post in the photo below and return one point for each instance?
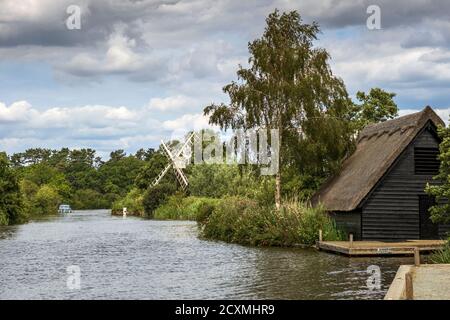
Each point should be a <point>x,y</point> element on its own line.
<point>409,291</point>
<point>416,257</point>
<point>320,235</point>
<point>351,239</point>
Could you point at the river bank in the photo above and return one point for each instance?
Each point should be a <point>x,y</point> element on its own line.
<point>135,258</point>
<point>242,220</point>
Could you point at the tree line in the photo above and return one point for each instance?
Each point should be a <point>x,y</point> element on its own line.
<point>36,181</point>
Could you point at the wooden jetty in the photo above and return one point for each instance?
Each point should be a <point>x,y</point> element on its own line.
<point>379,248</point>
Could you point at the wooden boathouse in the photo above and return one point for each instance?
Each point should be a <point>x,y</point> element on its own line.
<point>378,195</point>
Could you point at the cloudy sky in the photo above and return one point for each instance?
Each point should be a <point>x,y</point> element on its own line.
<point>141,70</point>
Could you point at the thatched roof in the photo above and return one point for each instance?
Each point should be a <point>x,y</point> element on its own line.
<point>378,146</point>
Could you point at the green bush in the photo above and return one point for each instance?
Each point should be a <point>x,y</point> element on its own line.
<point>11,199</point>
<point>179,207</point>
<point>46,201</point>
<point>230,221</point>
<point>242,220</point>
<point>442,255</point>
<point>311,220</point>
<point>90,199</point>
<point>212,180</point>
<point>156,196</point>
<point>133,201</point>
<point>205,209</point>
<point>219,180</point>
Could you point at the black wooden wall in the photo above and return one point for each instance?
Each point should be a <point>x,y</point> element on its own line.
<point>349,222</point>
<point>391,212</point>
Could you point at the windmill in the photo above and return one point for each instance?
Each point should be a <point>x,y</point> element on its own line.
<point>177,161</point>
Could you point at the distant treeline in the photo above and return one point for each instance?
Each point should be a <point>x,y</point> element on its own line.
<point>36,181</point>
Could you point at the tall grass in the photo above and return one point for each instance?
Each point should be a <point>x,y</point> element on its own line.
<point>242,220</point>
<point>442,255</point>
<point>178,207</point>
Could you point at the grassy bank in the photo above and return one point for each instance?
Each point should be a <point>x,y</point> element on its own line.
<point>178,207</point>
<point>242,220</point>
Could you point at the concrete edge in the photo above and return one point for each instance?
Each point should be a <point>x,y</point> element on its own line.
<point>397,288</point>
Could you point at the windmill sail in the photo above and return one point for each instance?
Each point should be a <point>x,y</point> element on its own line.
<point>178,161</point>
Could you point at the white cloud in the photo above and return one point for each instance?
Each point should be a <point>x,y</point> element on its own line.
<point>95,126</point>
<point>118,58</point>
<point>173,42</point>
<point>26,10</point>
<point>368,59</point>
<point>173,103</point>
<point>187,122</point>
<point>444,113</point>
<point>95,116</point>
<point>17,111</point>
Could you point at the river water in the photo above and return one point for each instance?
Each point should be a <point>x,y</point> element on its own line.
<point>132,258</point>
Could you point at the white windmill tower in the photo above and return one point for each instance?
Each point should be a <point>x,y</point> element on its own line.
<point>177,160</point>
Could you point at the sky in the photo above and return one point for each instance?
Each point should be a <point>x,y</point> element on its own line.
<point>138,71</point>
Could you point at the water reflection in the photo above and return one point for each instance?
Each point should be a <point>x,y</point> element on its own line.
<point>144,259</point>
<point>309,274</point>
<point>7,232</point>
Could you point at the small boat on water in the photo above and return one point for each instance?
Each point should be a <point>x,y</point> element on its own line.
<point>64,208</point>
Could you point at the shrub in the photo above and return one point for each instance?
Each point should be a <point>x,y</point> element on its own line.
<point>45,201</point>
<point>11,199</point>
<point>213,180</point>
<point>179,207</point>
<point>442,255</point>
<point>155,197</point>
<point>90,199</point>
<point>205,209</point>
<point>229,220</point>
<point>220,180</point>
<point>133,201</point>
<point>311,220</point>
<point>4,219</point>
<point>261,189</point>
<point>241,220</point>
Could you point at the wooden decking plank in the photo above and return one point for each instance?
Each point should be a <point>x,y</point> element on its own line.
<point>378,248</point>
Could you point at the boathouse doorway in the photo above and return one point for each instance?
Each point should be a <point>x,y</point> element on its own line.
<point>428,229</point>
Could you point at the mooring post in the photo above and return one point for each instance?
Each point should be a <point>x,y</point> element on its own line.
<point>409,290</point>
<point>351,239</point>
<point>416,257</point>
<point>320,235</point>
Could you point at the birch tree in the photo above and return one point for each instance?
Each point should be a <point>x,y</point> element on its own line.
<point>288,85</point>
